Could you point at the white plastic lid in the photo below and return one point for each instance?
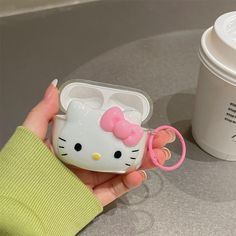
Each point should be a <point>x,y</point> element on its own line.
<point>218,47</point>
<point>225,28</point>
<point>102,96</point>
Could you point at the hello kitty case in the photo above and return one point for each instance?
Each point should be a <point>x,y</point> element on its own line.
<point>101,128</point>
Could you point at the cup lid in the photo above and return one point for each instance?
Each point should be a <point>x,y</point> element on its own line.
<point>102,96</point>
<point>218,46</point>
<point>225,28</point>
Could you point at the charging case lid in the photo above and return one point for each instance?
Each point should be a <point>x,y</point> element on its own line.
<point>102,96</point>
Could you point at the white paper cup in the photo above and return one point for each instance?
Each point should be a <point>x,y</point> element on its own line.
<point>214,118</point>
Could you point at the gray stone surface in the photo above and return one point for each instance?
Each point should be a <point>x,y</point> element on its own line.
<point>15,7</point>
<point>197,199</point>
<point>35,48</point>
<point>148,45</point>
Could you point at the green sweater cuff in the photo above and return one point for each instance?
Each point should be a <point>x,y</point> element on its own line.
<point>38,194</point>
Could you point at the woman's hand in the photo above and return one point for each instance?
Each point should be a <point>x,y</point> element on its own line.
<point>106,186</point>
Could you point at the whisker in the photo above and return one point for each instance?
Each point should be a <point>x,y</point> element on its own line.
<point>62,139</point>
<point>127,164</point>
<point>135,150</point>
<point>133,158</point>
<point>64,154</point>
<point>61,147</point>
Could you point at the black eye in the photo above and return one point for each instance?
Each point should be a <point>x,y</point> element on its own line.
<point>117,154</point>
<point>77,147</point>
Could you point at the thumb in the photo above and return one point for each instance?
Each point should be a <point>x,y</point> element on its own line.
<point>39,117</point>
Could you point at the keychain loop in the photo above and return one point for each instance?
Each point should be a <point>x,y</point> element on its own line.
<point>154,156</point>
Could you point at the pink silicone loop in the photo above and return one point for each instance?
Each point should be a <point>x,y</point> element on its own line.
<point>153,155</point>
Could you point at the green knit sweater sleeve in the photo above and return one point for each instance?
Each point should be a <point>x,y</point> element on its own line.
<point>38,194</point>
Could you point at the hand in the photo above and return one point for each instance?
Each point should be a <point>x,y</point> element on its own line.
<point>106,186</point>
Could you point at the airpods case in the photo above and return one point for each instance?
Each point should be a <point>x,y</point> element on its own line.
<point>101,128</point>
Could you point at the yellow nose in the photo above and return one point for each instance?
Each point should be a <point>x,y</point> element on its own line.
<point>96,156</point>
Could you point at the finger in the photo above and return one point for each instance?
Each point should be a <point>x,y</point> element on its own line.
<point>39,117</point>
<point>114,188</point>
<point>163,154</point>
<point>163,137</point>
<point>91,178</point>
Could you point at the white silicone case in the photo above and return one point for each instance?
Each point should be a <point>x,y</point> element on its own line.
<point>84,103</point>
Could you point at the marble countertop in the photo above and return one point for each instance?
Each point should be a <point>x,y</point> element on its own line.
<point>150,45</point>
<point>200,197</point>
<point>16,7</point>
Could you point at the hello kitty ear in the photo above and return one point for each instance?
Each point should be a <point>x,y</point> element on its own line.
<point>76,110</point>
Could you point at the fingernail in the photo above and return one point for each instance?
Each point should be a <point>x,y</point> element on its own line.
<point>172,135</point>
<point>144,175</point>
<point>55,82</point>
<point>167,153</point>
<point>50,88</point>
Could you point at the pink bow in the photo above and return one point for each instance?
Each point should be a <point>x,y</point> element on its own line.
<point>113,121</point>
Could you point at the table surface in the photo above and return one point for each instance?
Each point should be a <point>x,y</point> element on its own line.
<point>200,197</point>
<point>197,199</point>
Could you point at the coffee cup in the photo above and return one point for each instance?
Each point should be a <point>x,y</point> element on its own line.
<point>214,117</point>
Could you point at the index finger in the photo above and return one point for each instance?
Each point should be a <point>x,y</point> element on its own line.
<point>39,117</point>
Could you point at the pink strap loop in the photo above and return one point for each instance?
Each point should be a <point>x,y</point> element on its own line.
<point>153,155</point>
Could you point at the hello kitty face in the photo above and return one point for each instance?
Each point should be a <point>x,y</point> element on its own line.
<point>87,142</point>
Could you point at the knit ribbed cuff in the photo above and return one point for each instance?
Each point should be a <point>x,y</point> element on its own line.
<point>37,179</point>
